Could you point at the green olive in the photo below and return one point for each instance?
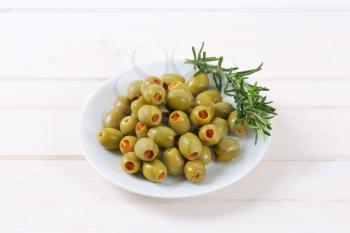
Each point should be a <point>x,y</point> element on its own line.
<point>123,104</point>
<point>136,105</point>
<point>208,97</point>
<point>127,144</point>
<point>239,130</point>
<point>130,163</point>
<point>179,99</point>
<point>149,81</point>
<point>198,83</point>
<point>134,89</point>
<point>226,150</point>
<point>173,161</point>
<point>205,100</point>
<point>223,109</point>
<point>221,125</point>
<point>195,171</point>
<point>163,136</point>
<point>206,156</point>
<point>150,115</point>
<point>168,78</point>
<point>154,171</point>
<point>177,85</point>
<point>201,115</point>
<point>109,138</point>
<point>146,149</point>
<point>209,134</point>
<point>141,129</point>
<point>190,146</point>
<point>154,94</point>
<point>112,118</point>
<point>179,122</point>
<point>128,124</point>
<point>214,94</point>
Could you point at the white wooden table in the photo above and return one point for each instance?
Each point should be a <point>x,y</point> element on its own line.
<point>54,54</point>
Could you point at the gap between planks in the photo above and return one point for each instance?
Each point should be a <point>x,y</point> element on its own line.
<point>185,9</point>
<point>82,158</point>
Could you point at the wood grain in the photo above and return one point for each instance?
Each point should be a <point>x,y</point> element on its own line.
<point>100,45</point>
<point>178,5</point>
<point>54,54</point>
<point>68,196</point>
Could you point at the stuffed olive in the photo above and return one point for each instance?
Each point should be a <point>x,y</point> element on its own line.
<point>154,94</point>
<point>146,149</point>
<point>206,156</point>
<point>112,118</point>
<point>168,78</point>
<point>221,125</point>
<point>177,85</point>
<point>149,81</point>
<point>198,83</point>
<point>127,144</point>
<point>122,103</point>
<point>174,161</point>
<point>190,146</point>
<point>195,171</point>
<point>179,99</point>
<point>226,150</point>
<point>134,90</point>
<point>150,115</point>
<point>163,136</point>
<point>136,105</point>
<point>141,129</point>
<point>154,171</point>
<point>109,138</point>
<point>241,129</point>
<point>223,109</point>
<point>209,134</point>
<point>127,125</point>
<point>201,115</point>
<point>130,163</point>
<point>179,122</point>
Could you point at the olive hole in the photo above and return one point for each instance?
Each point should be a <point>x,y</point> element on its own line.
<point>155,118</point>
<point>158,96</point>
<point>161,176</point>
<point>148,154</point>
<point>129,166</point>
<point>139,126</point>
<point>209,133</point>
<point>193,155</point>
<point>175,116</point>
<point>126,144</point>
<point>203,114</point>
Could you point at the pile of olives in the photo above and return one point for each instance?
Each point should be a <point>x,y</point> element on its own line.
<point>169,126</point>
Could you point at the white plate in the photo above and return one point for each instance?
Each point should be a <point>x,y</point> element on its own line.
<point>219,175</point>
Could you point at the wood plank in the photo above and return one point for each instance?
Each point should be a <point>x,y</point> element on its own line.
<point>68,196</point>
<point>100,45</point>
<point>46,93</point>
<point>299,133</point>
<point>192,4</point>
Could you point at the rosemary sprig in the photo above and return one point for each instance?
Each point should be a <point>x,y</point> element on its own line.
<point>251,106</point>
